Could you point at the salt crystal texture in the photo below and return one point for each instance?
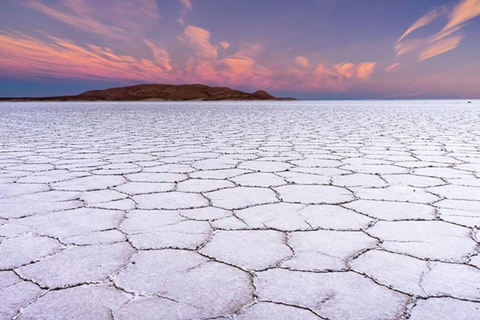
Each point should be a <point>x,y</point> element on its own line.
<point>240,210</point>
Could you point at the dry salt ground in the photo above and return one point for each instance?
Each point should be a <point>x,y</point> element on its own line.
<point>276,210</point>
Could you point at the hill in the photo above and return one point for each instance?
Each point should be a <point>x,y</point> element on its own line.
<point>161,92</point>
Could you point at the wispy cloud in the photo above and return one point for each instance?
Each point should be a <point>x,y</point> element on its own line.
<point>21,54</point>
<point>113,18</point>
<point>404,47</point>
<point>440,47</point>
<point>81,21</point>
<point>199,40</point>
<point>422,22</point>
<point>161,58</point>
<point>392,67</point>
<point>187,5</point>
<point>463,12</point>
<point>444,40</point>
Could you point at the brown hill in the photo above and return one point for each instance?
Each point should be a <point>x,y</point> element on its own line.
<point>168,92</point>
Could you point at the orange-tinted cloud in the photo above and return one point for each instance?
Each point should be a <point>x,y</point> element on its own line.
<point>237,65</point>
<point>365,70</point>
<point>301,61</point>
<point>440,47</point>
<point>346,70</point>
<point>464,11</point>
<point>225,45</point>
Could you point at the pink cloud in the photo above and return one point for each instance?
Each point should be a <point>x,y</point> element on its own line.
<point>24,55</point>
<point>161,56</point>
<point>320,77</point>
<point>187,5</point>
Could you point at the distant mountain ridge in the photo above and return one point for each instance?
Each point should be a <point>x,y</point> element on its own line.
<point>161,92</point>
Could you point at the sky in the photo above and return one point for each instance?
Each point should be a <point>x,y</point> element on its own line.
<point>308,49</point>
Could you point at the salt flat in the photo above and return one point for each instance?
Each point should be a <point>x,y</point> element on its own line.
<point>274,210</point>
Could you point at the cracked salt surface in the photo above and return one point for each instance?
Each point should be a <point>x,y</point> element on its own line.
<point>236,210</point>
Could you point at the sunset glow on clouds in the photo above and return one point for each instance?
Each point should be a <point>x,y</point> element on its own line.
<point>207,62</point>
<point>125,42</point>
<point>23,55</point>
